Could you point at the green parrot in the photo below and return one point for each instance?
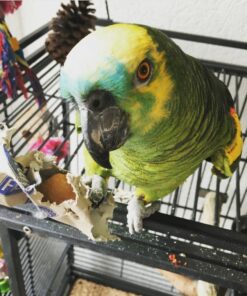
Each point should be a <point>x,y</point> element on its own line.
<point>150,113</point>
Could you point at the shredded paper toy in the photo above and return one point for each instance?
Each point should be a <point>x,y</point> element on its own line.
<point>33,181</point>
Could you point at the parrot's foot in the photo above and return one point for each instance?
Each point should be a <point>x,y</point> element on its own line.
<point>98,190</point>
<point>137,211</point>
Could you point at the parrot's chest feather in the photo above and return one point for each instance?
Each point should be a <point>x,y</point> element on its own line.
<point>151,168</point>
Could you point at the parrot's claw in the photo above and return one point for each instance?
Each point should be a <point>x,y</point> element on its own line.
<point>137,211</point>
<point>98,191</point>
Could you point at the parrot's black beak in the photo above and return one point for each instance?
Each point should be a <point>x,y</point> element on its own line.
<point>105,126</point>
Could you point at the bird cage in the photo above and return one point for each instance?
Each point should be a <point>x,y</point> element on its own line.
<point>45,257</point>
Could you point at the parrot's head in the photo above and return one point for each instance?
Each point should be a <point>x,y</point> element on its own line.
<point>118,77</point>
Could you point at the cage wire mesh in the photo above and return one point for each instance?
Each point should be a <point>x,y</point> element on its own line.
<point>51,261</point>
<point>39,258</point>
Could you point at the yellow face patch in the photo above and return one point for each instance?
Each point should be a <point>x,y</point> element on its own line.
<point>136,41</point>
<point>160,88</point>
<point>126,45</point>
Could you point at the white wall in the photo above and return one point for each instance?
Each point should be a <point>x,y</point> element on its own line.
<point>218,18</point>
<point>31,15</point>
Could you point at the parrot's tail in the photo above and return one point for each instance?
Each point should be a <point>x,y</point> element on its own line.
<point>227,170</point>
<point>226,161</point>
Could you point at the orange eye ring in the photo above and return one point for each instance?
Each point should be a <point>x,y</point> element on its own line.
<point>144,71</point>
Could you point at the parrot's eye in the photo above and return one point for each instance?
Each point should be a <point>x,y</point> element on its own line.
<point>144,71</point>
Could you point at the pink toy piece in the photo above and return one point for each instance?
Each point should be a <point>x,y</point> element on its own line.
<point>10,6</point>
<point>51,146</point>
